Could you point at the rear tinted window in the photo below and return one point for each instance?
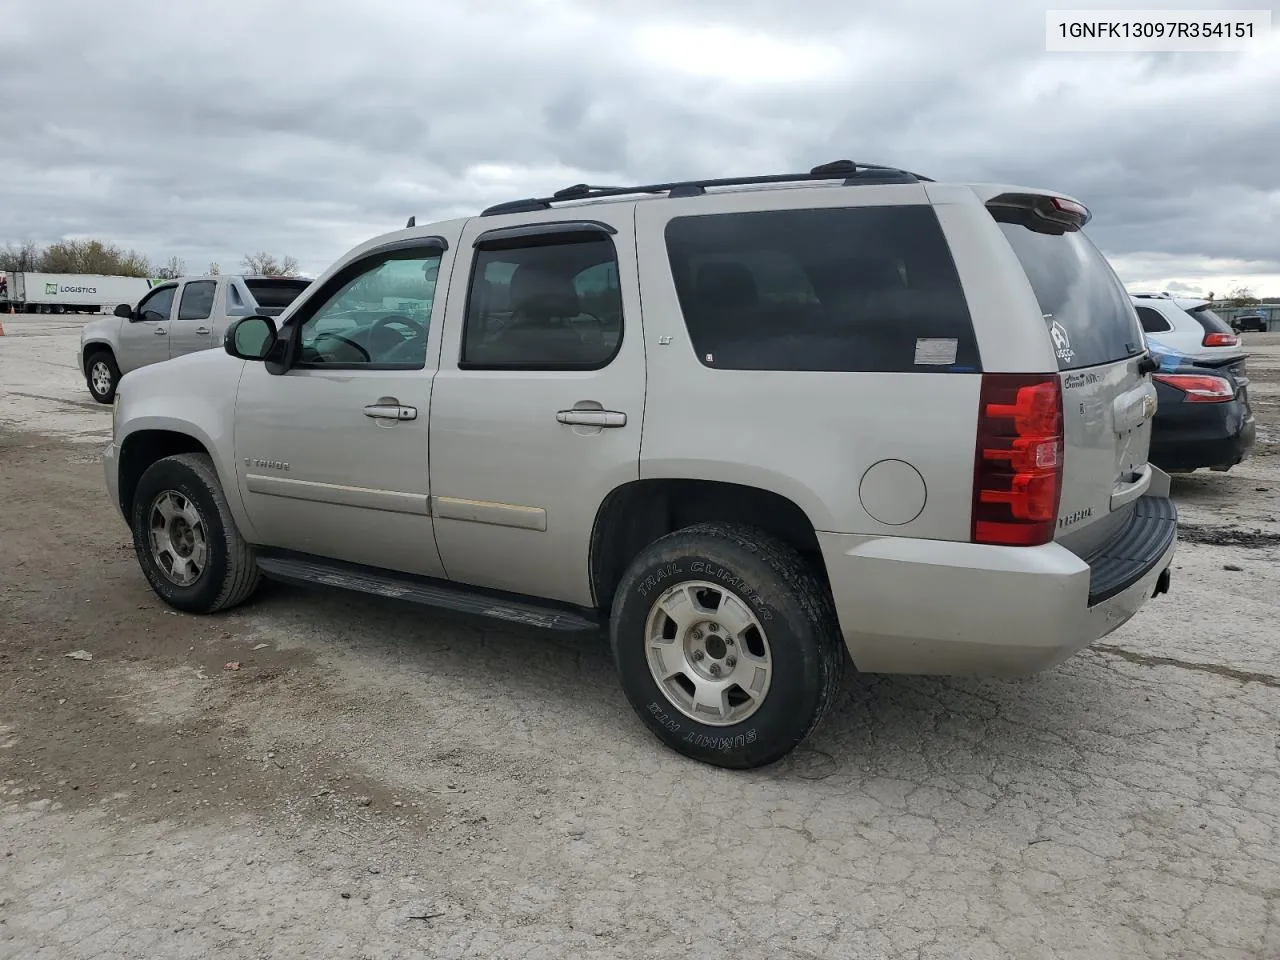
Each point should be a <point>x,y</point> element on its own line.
<point>276,294</point>
<point>1210,321</point>
<point>855,289</point>
<point>1088,313</point>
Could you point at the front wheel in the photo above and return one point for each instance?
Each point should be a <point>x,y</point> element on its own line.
<point>727,645</point>
<point>186,539</point>
<point>103,375</point>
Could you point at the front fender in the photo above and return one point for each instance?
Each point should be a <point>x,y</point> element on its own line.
<point>192,398</point>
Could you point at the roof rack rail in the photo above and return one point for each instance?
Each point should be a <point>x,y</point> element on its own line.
<point>851,172</point>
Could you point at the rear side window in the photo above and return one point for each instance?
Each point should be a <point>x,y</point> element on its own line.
<point>1210,321</point>
<point>543,303</point>
<point>846,289</point>
<point>1152,321</point>
<point>1088,313</point>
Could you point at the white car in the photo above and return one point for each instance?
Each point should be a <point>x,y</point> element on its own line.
<point>756,428</point>
<point>1187,329</point>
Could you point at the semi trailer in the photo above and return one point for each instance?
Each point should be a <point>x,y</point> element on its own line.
<point>25,292</point>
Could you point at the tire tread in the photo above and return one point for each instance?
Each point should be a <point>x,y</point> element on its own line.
<point>795,576</point>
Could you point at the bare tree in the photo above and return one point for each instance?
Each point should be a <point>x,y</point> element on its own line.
<point>19,258</point>
<point>172,270</point>
<point>214,270</point>
<point>266,265</point>
<point>93,256</point>
<point>1242,296</point>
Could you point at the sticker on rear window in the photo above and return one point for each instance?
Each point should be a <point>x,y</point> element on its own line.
<point>936,351</point>
<point>1061,342</point>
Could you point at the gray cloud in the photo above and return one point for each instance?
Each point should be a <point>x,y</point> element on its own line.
<point>305,129</point>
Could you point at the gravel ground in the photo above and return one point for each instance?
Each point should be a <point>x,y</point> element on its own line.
<point>376,780</point>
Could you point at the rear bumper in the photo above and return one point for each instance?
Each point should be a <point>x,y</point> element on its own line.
<point>947,608</point>
<point>1220,436</point>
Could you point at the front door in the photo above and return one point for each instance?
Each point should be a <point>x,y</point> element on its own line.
<point>145,338</point>
<point>538,402</point>
<point>331,455</point>
<point>191,328</point>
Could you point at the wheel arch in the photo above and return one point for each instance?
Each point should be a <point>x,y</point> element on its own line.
<point>141,448</point>
<point>152,438</point>
<point>96,346</point>
<point>637,513</point>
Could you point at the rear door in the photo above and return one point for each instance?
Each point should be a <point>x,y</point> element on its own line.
<point>537,407</point>
<point>1107,403</point>
<point>191,328</point>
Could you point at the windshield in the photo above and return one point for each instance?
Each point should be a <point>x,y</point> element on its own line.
<point>1087,311</point>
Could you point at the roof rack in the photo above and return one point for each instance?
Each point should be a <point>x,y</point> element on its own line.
<point>850,172</point>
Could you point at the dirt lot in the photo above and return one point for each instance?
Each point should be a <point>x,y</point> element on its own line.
<point>378,780</point>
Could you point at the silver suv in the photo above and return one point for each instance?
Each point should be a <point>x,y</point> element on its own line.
<point>759,428</point>
<point>174,318</point>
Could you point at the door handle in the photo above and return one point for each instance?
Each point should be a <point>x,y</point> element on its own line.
<point>160,331</point>
<point>390,411</point>
<point>202,329</point>
<point>593,418</point>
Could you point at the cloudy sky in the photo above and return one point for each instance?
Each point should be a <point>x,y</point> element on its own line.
<point>208,130</point>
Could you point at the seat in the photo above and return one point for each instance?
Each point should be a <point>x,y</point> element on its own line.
<point>542,303</point>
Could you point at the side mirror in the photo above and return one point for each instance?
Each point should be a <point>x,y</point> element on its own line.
<point>250,338</point>
<point>124,311</point>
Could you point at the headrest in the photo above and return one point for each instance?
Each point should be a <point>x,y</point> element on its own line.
<point>540,293</point>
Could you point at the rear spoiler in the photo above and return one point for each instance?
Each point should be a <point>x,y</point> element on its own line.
<point>1061,211</point>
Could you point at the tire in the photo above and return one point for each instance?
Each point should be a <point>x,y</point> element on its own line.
<point>101,367</point>
<point>795,627</point>
<point>187,485</point>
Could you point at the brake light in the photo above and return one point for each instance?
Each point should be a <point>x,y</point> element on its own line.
<point>1199,388</point>
<point>1017,472</point>
<point>1220,340</point>
<point>1071,207</point>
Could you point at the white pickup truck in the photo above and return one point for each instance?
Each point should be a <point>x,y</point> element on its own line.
<point>176,317</point>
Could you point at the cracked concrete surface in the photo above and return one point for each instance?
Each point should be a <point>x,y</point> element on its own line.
<point>382,781</point>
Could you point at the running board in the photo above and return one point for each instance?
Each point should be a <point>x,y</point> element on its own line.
<point>493,604</point>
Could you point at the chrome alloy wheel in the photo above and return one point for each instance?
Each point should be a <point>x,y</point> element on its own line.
<point>708,653</point>
<point>177,536</point>
<point>100,377</point>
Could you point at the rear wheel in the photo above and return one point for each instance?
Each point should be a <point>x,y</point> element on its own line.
<point>102,375</point>
<point>186,539</point>
<point>726,644</point>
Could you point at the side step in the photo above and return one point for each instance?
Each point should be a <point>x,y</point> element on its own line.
<point>311,571</point>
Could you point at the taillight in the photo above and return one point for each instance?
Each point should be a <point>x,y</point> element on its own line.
<point>1017,473</point>
<point>1220,340</point>
<point>1199,388</point>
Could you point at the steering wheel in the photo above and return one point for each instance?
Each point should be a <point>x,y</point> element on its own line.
<point>417,328</point>
<point>349,342</point>
<point>386,342</point>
